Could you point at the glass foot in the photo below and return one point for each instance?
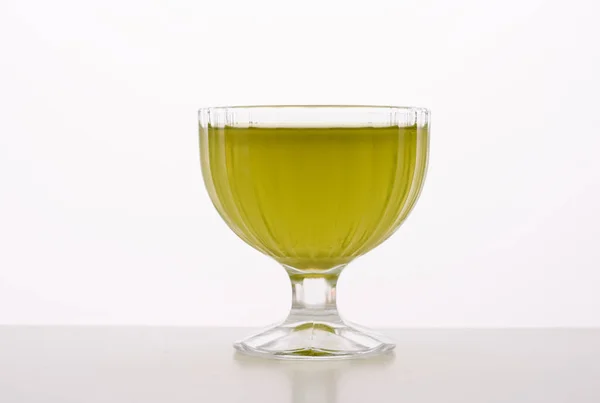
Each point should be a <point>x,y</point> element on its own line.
<point>314,328</point>
<point>317,339</point>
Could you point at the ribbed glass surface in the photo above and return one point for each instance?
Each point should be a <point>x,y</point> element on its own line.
<point>315,196</point>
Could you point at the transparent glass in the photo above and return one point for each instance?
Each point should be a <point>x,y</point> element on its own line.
<point>314,187</point>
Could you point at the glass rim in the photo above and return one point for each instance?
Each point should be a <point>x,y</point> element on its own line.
<point>313,116</point>
<point>317,106</point>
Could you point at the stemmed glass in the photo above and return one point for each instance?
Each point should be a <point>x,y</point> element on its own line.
<point>314,187</point>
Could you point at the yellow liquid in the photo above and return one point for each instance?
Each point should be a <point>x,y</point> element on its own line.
<point>314,198</point>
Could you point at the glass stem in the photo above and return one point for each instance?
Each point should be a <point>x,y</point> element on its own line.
<point>314,295</point>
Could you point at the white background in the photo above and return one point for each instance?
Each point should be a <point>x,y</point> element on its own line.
<point>103,213</point>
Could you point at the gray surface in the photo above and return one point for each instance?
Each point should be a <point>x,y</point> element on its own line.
<point>171,365</point>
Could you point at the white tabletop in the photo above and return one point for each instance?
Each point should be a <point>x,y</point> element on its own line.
<point>172,365</point>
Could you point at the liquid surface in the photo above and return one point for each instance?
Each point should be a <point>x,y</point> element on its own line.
<point>314,198</point>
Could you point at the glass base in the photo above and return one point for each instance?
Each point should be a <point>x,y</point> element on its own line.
<point>299,339</point>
